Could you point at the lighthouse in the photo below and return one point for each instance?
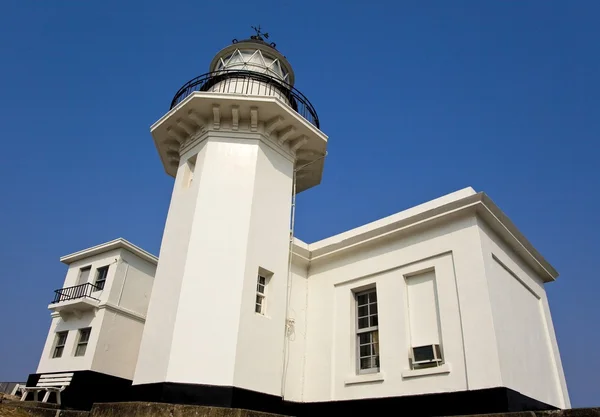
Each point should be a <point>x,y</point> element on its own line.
<point>438,309</point>
<point>239,142</point>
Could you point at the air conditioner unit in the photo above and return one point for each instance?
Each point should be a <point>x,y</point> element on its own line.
<point>423,355</point>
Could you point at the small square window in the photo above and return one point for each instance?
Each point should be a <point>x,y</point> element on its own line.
<point>84,337</point>
<point>261,295</point>
<point>101,274</point>
<point>59,344</point>
<point>189,168</point>
<point>84,275</point>
<point>263,278</point>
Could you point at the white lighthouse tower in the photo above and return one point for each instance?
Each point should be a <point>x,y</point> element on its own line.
<point>239,141</point>
<point>439,309</point>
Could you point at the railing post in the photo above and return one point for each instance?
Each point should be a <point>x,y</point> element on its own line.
<point>223,79</point>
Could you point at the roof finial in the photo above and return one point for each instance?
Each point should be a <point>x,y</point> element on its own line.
<point>259,34</point>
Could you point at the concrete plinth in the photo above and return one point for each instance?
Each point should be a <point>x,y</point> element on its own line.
<point>143,409</point>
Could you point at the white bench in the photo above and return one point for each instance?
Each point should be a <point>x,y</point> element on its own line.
<point>50,383</point>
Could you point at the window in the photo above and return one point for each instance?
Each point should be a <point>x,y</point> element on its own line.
<point>189,168</point>
<point>367,331</point>
<point>424,322</point>
<point>59,344</point>
<point>261,286</point>
<point>84,337</point>
<point>101,275</point>
<point>84,275</point>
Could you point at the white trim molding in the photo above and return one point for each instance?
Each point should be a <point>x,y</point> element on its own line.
<point>435,370</point>
<point>365,378</point>
<point>119,243</point>
<point>459,203</point>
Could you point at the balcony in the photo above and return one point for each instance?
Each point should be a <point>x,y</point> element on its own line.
<point>249,83</point>
<point>74,299</point>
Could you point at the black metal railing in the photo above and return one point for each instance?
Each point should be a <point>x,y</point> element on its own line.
<point>248,82</point>
<point>78,291</point>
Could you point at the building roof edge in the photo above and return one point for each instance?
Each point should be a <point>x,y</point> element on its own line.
<point>462,200</point>
<point>118,243</point>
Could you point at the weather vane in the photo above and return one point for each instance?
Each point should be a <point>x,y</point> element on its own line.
<point>259,35</point>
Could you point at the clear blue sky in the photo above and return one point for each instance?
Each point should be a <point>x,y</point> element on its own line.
<point>418,98</point>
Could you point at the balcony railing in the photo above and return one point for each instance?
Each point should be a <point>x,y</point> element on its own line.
<point>248,82</point>
<point>77,291</point>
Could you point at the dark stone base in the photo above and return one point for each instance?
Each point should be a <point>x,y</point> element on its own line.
<point>208,395</point>
<point>486,401</point>
<point>87,388</point>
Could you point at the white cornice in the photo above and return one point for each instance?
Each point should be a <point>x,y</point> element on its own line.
<point>502,225</point>
<point>120,310</point>
<point>119,243</point>
<point>255,137</point>
<point>123,311</point>
<point>447,208</point>
<point>267,118</point>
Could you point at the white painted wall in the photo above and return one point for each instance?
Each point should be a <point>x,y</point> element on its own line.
<point>155,348</point>
<point>480,325</point>
<point>527,348</point>
<point>133,284</point>
<point>294,373</point>
<point>331,360</point>
<point>201,325</point>
<point>118,344</point>
<point>69,362</point>
<point>110,258</point>
<point>89,318</point>
<point>452,281</point>
<point>208,310</point>
<point>422,307</point>
<point>117,322</point>
<point>259,354</point>
<point>112,348</point>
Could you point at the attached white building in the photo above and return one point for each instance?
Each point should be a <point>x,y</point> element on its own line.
<point>439,309</point>
<point>97,320</point>
<point>455,273</point>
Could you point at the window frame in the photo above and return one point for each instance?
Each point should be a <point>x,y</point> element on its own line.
<point>57,345</point>
<point>260,300</point>
<point>372,330</point>
<point>103,280</point>
<point>87,269</point>
<point>189,171</point>
<point>81,342</point>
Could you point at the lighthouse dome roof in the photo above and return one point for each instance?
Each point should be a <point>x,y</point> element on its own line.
<point>256,55</point>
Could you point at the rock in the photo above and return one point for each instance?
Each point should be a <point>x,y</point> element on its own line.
<point>574,412</point>
<point>144,409</point>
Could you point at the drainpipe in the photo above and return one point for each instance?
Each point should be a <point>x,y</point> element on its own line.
<point>124,280</point>
<point>289,323</point>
